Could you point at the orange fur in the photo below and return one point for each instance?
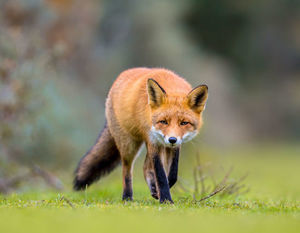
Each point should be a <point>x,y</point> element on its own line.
<point>154,106</point>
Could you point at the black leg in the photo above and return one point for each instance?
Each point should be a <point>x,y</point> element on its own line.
<point>173,173</point>
<point>162,181</point>
<point>127,191</point>
<point>127,180</point>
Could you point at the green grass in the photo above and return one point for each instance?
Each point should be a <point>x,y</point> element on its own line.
<point>272,205</point>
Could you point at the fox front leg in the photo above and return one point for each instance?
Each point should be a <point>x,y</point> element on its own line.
<point>161,178</point>
<point>173,155</point>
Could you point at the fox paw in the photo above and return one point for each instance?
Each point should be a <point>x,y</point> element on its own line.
<point>154,195</point>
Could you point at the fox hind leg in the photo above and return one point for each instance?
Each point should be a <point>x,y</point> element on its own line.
<point>150,177</point>
<point>128,155</point>
<point>127,180</point>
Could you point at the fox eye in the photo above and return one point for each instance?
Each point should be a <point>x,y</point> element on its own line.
<point>184,122</point>
<point>164,122</point>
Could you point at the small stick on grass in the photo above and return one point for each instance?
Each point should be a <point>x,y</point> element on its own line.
<point>201,179</point>
<point>63,198</point>
<point>212,194</point>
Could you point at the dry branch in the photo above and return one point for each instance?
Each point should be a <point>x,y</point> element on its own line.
<point>63,198</point>
<point>8,185</point>
<point>49,178</point>
<point>206,179</point>
<point>213,193</point>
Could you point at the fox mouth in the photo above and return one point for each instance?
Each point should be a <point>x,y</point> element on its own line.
<point>172,145</point>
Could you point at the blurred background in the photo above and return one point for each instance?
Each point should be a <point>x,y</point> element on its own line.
<point>58,59</point>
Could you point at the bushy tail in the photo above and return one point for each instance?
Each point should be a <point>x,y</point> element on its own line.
<point>101,159</point>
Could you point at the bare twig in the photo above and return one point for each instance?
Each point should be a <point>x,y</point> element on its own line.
<point>236,186</point>
<point>63,198</point>
<point>49,178</point>
<point>213,193</point>
<point>8,185</point>
<point>208,182</point>
<point>226,176</point>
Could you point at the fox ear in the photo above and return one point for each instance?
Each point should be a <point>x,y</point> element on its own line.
<point>197,98</point>
<point>156,93</point>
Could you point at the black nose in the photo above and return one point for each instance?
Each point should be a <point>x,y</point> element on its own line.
<point>172,140</point>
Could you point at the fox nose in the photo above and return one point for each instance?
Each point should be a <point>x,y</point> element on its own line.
<point>172,140</point>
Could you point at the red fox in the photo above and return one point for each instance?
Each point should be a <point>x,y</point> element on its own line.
<point>150,105</point>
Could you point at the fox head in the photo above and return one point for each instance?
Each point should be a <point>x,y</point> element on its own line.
<point>176,118</point>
